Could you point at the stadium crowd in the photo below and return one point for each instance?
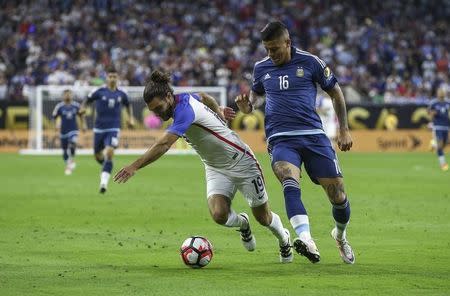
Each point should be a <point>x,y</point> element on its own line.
<point>381,51</point>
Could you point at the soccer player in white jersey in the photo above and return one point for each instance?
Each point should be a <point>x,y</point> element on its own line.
<point>325,109</point>
<point>229,163</point>
<point>287,80</point>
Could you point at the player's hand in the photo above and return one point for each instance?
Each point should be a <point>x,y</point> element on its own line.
<point>344,140</point>
<point>82,111</point>
<point>124,174</point>
<point>130,123</point>
<point>228,113</point>
<point>243,103</point>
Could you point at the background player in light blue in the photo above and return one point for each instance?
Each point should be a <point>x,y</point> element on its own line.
<point>288,77</point>
<point>108,106</point>
<point>67,126</point>
<point>439,113</point>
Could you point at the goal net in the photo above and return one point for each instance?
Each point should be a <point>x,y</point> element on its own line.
<point>44,139</point>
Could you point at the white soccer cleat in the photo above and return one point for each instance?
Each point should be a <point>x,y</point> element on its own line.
<point>308,249</point>
<point>72,165</point>
<point>345,250</point>
<point>67,171</point>
<point>247,238</point>
<point>286,255</point>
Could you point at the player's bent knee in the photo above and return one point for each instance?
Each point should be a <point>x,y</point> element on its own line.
<point>220,217</point>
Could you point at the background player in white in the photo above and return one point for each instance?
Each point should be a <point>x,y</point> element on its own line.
<point>325,109</point>
<point>229,163</point>
<point>439,113</point>
<point>108,106</point>
<point>287,80</point>
<point>65,115</point>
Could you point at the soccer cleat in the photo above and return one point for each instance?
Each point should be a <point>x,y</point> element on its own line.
<point>308,249</point>
<point>68,171</point>
<point>102,189</point>
<point>247,238</point>
<point>345,250</point>
<point>286,255</point>
<point>72,165</point>
<point>444,167</point>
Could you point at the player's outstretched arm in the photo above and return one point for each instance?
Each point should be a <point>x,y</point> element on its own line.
<point>130,120</point>
<point>156,151</point>
<point>83,107</point>
<point>344,138</point>
<point>246,103</point>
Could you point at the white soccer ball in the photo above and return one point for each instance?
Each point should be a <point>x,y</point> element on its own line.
<point>196,251</point>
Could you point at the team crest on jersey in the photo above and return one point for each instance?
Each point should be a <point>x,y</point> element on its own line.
<point>103,98</point>
<point>300,72</point>
<point>327,72</point>
<point>119,99</point>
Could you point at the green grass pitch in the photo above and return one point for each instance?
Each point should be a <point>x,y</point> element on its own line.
<point>59,236</point>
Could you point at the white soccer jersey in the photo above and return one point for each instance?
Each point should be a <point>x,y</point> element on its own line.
<point>217,145</point>
<point>326,112</point>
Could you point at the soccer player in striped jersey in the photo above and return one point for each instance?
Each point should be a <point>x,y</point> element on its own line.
<point>439,113</point>
<point>109,101</point>
<point>229,163</point>
<point>287,78</point>
<point>67,125</point>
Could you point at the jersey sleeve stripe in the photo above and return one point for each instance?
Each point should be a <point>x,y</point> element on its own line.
<point>321,62</point>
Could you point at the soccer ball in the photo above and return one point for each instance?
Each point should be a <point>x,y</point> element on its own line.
<point>196,252</point>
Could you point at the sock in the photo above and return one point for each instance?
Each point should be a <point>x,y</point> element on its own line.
<point>441,157</point>
<point>104,178</point>
<point>292,198</point>
<point>341,214</point>
<point>72,148</point>
<point>301,225</point>
<point>107,166</point>
<point>276,226</point>
<point>235,220</point>
<point>295,209</point>
<point>65,155</point>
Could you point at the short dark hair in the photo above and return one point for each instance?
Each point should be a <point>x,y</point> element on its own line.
<point>157,86</point>
<point>111,69</point>
<point>273,30</point>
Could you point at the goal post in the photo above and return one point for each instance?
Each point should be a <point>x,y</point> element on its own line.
<point>44,140</point>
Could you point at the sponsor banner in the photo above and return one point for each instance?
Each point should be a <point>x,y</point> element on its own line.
<point>364,140</point>
<point>13,141</point>
<point>387,117</point>
<point>13,114</point>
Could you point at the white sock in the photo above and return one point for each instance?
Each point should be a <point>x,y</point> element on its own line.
<point>340,230</point>
<point>276,226</point>
<point>235,220</point>
<point>301,225</point>
<point>104,178</point>
<point>442,160</point>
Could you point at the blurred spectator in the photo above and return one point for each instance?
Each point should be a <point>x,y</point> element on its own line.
<point>381,51</point>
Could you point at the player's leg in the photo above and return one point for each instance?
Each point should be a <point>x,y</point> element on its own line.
<point>64,147</point>
<point>107,167</point>
<point>111,141</point>
<point>99,147</point>
<point>286,164</point>
<point>220,191</point>
<point>71,150</point>
<point>441,137</point>
<point>323,168</point>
